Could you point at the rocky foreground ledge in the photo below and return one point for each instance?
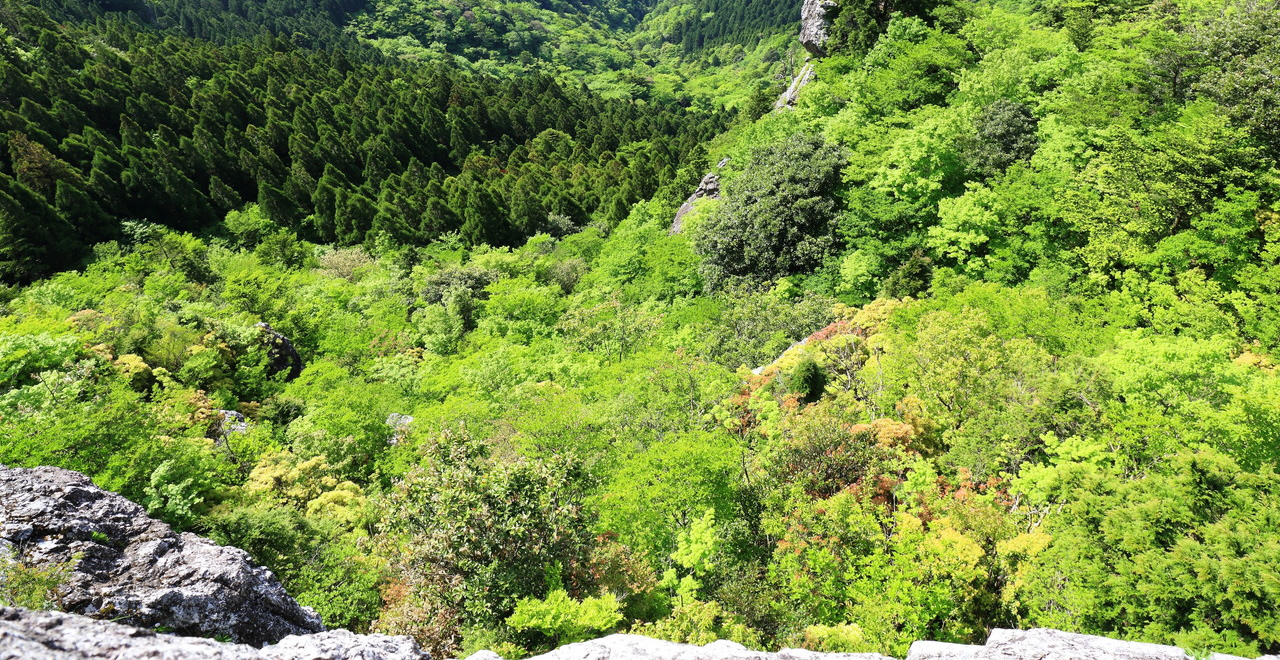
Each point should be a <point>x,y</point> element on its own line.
<point>28,635</point>
<point>131,574</point>
<point>1037,644</point>
<point>128,567</point>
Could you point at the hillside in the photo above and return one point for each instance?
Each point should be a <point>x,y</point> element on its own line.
<point>979,333</point>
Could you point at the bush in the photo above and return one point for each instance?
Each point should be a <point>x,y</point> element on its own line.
<point>778,217</point>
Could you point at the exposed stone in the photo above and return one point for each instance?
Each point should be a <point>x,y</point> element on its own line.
<point>799,82</point>
<point>130,568</point>
<point>345,645</point>
<point>635,647</point>
<point>814,24</point>
<point>29,635</point>
<point>1046,644</point>
<point>231,422</point>
<point>942,651</point>
<point>282,353</point>
<point>399,427</point>
<point>709,188</point>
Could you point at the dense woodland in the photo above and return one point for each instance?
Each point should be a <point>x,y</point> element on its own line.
<point>1031,248</point>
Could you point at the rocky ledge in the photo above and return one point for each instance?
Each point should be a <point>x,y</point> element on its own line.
<point>137,571</point>
<point>814,25</point>
<point>1037,644</point>
<point>28,635</point>
<point>129,568</point>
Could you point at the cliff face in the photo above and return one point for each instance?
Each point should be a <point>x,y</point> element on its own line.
<point>130,568</point>
<point>814,25</point>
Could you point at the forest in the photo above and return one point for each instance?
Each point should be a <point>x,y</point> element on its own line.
<point>980,333</point>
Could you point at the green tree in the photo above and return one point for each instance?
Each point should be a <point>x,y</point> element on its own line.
<point>778,217</point>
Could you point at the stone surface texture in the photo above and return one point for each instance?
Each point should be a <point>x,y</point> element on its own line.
<point>814,25</point>
<point>635,647</point>
<point>130,568</point>
<point>799,82</point>
<point>27,635</point>
<point>709,188</point>
<point>1046,644</point>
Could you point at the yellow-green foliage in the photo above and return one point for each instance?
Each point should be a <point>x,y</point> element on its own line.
<point>33,587</point>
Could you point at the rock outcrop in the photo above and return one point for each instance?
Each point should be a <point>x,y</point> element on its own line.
<point>636,647</point>
<point>814,23</point>
<point>802,80</point>
<point>130,568</point>
<point>1045,644</point>
<point>28,635</point>
<point>284,357</point>
<point>1036,644</point>
<point>708,188</point>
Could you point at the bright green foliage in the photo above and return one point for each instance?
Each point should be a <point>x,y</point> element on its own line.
<point>32,587</point>
<point>1177,550</point>
<point>700,623</point>
<point>564,619</point>
<point>466,518</point>
<point>981,334</point>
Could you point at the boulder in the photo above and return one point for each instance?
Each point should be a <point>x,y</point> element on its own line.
<point>708,188</point>
<point>345,645</point>
<point>1046,644</point>
<point>127,567</point>
<point>29,635</point>
<point>814,23</point>
<point>802,80</point>
<point>284,357</point>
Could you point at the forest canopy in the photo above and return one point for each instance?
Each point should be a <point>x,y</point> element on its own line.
<point>980,332</point>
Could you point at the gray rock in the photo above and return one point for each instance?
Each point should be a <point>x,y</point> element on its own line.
<point>29,635</point>
<point>814,24</point>
<point>282,352</point>
<point>924,650</point>
<point>802,80</point>
<point>130,568</point>
<point>635,647</point>
<point>1045,644</point>
<point>344,645</point>
<point>709,188</point>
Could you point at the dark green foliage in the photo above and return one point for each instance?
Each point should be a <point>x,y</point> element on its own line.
<point>807,380</point>
<point>1006,135</point>
<point>732,21</point>
<point>856,25</point>
<point>1240,59</point>
<point>484,532</point>
<point>910,278</point>
<point>778,217</point>
<point>350,144</point>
